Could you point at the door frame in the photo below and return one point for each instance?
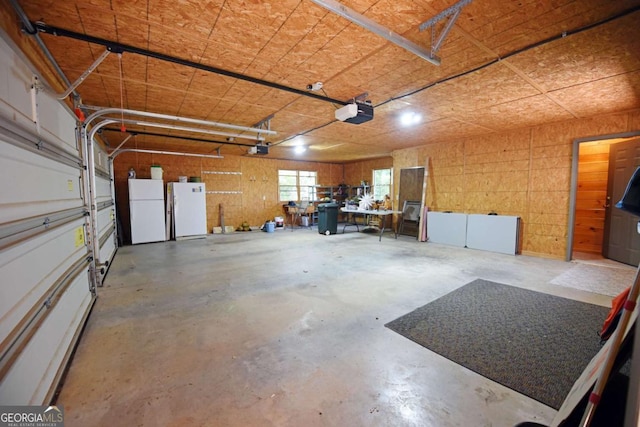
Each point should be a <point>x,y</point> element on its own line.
<point>574,180</point>
<point>422,192</point>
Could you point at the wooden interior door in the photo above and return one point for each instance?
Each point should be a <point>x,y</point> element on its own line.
<point>621,238</point>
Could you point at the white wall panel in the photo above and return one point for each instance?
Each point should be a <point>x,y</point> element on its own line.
<point>495,233</point>
<point>447,228</point>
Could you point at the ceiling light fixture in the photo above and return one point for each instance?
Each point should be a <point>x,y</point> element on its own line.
<point>300,149</point>
<point>410,118</point>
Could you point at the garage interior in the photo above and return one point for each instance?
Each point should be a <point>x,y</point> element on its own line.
<point>525,109</point>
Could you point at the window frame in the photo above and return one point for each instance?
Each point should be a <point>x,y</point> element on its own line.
<point>388,187</point>
<point>305,185</point>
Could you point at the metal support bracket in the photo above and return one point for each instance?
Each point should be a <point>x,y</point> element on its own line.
<point>361,98</point>
<point>36,87</point>
<point>84,75</point>
<point>264,124</point>
<point>366,23</point>
<point>452,13</point>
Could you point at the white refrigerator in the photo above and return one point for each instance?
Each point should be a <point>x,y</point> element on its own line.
<point>147,210</point>
<point>188,209</point>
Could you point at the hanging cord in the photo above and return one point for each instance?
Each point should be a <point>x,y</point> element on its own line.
<point>325,94</point>
<point>123,128</point>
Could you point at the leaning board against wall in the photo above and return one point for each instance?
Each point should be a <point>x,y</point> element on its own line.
<point>46,289</point>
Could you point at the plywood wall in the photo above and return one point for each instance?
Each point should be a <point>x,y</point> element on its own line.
<point>245,186</point>
<point>356,172</point>
<point>524,173</point>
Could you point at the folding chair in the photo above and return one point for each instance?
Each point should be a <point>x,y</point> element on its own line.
<point>410,216</point>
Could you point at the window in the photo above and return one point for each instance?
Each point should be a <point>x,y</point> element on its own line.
<point>308,181</point>
<point>381,183</point>
<point>297,185</point>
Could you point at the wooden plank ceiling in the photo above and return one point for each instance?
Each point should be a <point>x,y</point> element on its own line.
<point>504,65</point>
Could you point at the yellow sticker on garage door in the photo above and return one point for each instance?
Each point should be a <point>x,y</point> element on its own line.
<point>70,185</point>
<point>79,236</point>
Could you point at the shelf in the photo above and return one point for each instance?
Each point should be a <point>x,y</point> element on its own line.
<point>353,190</point>
<point>333,192</point>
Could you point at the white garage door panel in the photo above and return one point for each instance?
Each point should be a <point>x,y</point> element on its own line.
<point>5,59</point>
<point>30,378</point>
<point>103,189</point>
<point>30,269</point>
<point>108,250</point>
<point>101,158</point>
<point>106,227</point>
<point>56,123</point>
<point>38,185</point>
<point>16,85</point>
<point>105,220</point>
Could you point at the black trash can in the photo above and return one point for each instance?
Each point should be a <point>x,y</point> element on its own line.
<point>328,218</point>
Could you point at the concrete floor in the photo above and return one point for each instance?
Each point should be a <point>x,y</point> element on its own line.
<point>287,329</point>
